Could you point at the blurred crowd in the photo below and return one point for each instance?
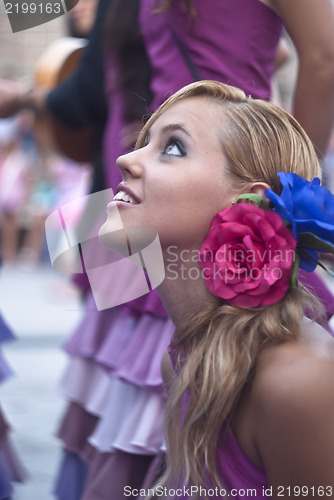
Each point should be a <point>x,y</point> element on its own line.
<point>33,183</point>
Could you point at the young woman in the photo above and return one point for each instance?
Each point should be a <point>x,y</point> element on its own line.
<point>251,407</point>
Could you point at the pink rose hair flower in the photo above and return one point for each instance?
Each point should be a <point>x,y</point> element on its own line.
<point>247,257</point>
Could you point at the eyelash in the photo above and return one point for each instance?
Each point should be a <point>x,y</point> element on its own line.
<point>173,141</point>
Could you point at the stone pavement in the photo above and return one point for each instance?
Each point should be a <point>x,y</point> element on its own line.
<point>42,308</point>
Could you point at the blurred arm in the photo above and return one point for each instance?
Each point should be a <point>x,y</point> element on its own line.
<point>310,24</point>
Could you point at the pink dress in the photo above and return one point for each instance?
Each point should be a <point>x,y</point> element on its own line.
<point>239,476</point>
<point>238,472</point>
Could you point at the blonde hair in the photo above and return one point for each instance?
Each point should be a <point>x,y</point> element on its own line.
<point>215,352</point>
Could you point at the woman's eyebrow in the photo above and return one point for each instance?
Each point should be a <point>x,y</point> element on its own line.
<point>174,127</point>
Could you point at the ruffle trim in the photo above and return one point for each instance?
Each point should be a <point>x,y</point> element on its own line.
<point>86,383</point>
<point>11,462</point>
<point>6,370</point>
<point>132,422</point>
<point>129,346</point>
<point>6,333</point>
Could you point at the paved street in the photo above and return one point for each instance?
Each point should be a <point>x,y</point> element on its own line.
<point>42,310</point>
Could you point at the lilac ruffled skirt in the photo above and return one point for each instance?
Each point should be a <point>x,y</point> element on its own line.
<point>112,429</point>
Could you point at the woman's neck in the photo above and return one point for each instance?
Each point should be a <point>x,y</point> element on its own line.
<point>183,292</point>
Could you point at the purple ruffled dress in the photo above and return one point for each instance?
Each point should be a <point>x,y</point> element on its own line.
<point>115,417</point>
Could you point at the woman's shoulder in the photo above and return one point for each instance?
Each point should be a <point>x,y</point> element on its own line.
<point>293,403</point>
<point>287,369</point>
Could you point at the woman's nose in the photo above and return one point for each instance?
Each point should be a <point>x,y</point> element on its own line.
<point>130,164</point>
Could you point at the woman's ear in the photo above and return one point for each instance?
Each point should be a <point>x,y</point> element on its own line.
<point>259,188</point>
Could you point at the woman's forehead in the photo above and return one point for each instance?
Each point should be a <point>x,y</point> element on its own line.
<point>197,112</point>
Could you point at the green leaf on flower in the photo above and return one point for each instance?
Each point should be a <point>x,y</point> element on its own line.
<point>254,199</point>
<point>294,269</point>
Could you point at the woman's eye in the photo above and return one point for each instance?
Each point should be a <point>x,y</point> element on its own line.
<point>174,148</point>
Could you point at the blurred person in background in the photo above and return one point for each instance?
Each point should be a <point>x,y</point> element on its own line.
<point>14,171</point>
<point>127,88</point>
<point>81,18</point>
<point>189,32</point>
<point>16,178</point>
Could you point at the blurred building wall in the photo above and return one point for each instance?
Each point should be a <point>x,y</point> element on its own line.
<point>20,51</point>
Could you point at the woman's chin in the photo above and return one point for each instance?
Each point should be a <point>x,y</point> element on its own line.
<point>131,240</point>
<point>115,240</point>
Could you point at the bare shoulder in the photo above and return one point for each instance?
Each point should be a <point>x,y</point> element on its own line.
<point>293,409</point>
<point>304,363</point>
<point>295,373</point>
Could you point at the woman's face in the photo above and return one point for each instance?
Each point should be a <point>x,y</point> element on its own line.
<point>176,182</point>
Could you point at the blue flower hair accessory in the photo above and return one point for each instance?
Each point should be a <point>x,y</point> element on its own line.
<point>308,209</point>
